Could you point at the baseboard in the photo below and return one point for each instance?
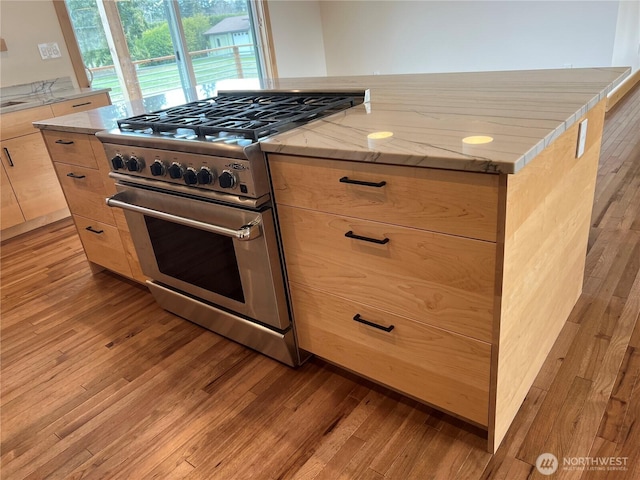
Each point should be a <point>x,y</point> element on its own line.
<point>624,88</point>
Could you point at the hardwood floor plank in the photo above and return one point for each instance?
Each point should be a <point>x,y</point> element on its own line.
<point>628,375</point>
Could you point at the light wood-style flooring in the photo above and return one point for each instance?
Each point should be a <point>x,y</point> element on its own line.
<point>98,382</point>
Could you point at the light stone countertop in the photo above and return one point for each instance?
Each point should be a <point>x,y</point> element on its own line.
<point>105,118</point>
<point>427,114</point>
<point>46,92</point>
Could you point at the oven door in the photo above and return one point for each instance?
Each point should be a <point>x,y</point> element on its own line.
<point>224,255</point>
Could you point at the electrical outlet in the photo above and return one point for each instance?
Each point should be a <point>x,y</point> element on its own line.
<point>582,138</point>
<point>49,50</point>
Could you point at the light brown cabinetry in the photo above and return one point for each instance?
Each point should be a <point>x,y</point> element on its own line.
<point>477,273</point>
<point>375,243</point>
<point>31,194</point>
<point>82,169</point>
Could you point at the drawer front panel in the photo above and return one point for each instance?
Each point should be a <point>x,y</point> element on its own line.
<point>459,203</point>
<point>441,280</point>
<point>85,192</point>
<point>444,369</point>
<point>103,245</point>
<point>80,104</point>
<point>16,124</point>
<point>71,148</point>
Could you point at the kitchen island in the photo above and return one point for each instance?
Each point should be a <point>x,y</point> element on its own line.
<point>484,244</point>
<point>478,254</point>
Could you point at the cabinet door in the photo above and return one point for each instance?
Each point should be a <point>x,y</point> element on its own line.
<point>32,176</point>
<point>11,214</point>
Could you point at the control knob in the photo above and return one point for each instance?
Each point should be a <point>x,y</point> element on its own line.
<point>190,176</point>
<point>117,162</point>
<point>227,179</point>
<point>176,170</point>
<point>134,164</point>
<point>158,168</point>
<point>205,176</point>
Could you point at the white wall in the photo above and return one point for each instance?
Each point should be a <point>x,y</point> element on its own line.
<point>344,37</point>
<point>23,25</point>
<point>363,37</point>
<point>626,47</point>
<point>296,27</point>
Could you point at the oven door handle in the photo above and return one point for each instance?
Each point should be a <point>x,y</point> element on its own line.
<point>246,232</point>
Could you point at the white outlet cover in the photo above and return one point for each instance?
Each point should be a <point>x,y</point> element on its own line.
<point>49,50</point>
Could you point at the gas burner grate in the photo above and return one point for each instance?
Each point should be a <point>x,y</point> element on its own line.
<point>250,116</point>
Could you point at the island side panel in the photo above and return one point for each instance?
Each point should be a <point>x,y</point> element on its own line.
<point>546,226</point>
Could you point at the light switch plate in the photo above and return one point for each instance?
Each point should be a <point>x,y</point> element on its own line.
<point>49,50</point>
<point>582,138</point>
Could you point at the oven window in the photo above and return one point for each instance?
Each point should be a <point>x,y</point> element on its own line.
<point>200,258</point>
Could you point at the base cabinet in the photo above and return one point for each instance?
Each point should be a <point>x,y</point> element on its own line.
<point>32,179</point>
<point>450,287</point>
<point>31,193</point>
<point>82,168</point>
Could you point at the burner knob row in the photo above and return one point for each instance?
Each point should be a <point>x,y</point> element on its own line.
<point>191,176</point>
<point>132,164</point>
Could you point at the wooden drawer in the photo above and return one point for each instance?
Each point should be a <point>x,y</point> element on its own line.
<point>85,192</point>
<point>81,104</point>
<point>15,124</point>
<point>71,148</point>
<point>441,280</point>
<point>460,203</point>
<point>103,245</point>
<point>444,369</point>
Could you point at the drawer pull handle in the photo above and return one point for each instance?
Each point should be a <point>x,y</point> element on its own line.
<point>360,182</point>
<point>73,175</point>
<point>359,319</point>
<point>64,142</point>
<point>93,230</point>
<point>6,152</point>
<point>350,234</point>
<point>81,104</point>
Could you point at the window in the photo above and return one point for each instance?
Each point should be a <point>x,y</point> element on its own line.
<point>162,45</point>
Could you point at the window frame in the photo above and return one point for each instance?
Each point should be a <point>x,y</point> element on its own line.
<point>264,41</point>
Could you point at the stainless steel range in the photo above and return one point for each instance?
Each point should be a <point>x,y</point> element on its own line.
<point>194,187</point>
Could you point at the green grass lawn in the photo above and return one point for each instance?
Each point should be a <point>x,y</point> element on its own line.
<point>160,78</point>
